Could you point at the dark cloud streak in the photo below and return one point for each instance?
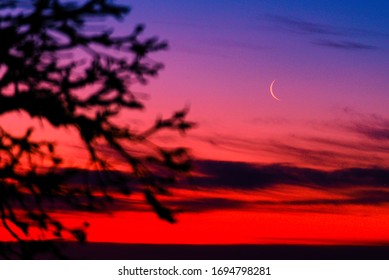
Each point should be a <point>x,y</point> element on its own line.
<point>300,26</point>
<point>326,35</point>
<point>245,176</point>
<point>346,45</point>
<point>358,186</point>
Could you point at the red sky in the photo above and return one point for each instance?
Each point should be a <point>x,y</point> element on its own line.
<point>310,169</point>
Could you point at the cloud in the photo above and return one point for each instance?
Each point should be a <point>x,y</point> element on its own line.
<point>377,133</point>
<point>301,26</point>
<point>220,180</point>
<point>373,131</point>
<point>246,176</point>
<point>230,143</point>
<point>348,186</point>
<point>346,45</point>
<point>365,197</point>
<point>331,151</point>
<point>302,151</point>
<point>352,198</point>
<point>326,35</point>
<point>364,181</point>
<point>297,25</point>
<point>373,126</point>
<point>371,154</point>
<point>325,143</point>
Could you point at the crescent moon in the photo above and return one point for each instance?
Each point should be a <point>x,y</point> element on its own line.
<point>272,93</point>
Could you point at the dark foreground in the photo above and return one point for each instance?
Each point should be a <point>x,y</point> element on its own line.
<point>114,251</point>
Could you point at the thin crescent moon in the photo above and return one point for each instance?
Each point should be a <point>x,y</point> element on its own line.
<point>272,93</point>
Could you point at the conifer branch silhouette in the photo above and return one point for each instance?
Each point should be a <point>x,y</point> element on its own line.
<point>49,52</point>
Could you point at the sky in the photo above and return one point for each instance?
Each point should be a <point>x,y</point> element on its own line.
<point>312,168</point>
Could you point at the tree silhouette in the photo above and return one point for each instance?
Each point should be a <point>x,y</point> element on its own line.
<point>56,66</point>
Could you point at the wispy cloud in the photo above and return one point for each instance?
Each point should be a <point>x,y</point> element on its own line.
<point>350,170</point>
<point>346,45</point>
<point>327,35</point>
<point>373,127</point>
<point>376,131</point>
<point>330,143</point>
<point>322,154</point>
<point>301,26</point>
<point>298,25</point>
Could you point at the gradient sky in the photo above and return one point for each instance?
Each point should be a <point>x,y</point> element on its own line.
<point>312,168</point>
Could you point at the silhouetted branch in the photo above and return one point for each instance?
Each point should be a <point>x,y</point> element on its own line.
<point>55,67</point>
